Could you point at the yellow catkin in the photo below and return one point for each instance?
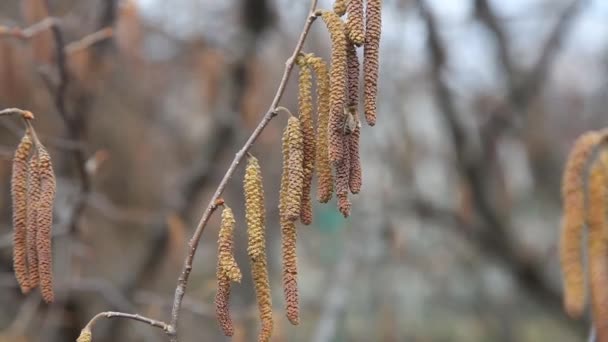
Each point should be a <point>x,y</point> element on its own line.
<point>290,270</point>
<point>255,213</point>
<point>355,22</point>
<point>222,303</point>
<point>338,77</point>
<point>295,169</point>
<point>19,197</point>
<point>227,270</point>
<point>85,336</point>
<point>45,224</point>
<point>355,178</point>
<point>340,7</point>
<point>33,200</point>
<point>572,223</point>
<point>373,27</point>
<point>325,178</point>
<point>597,244</point>
<point>225,251</point>
<point>308,137</point>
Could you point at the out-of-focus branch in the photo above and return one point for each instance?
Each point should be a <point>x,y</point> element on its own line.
<point>491,235</point>
<point>113,314</point>
<point>521,94</point>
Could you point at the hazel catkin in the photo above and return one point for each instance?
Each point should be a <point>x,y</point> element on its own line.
<point>308,137</point>
<point>355,22</point>
<point>342,179</point>
<point>325,177</point>
<point>226,260</point>
<point>355,178</point>
<point>335,27</point>
<point>340,7</point>
<point>222,303</point>
<point>597,244</point>
<point>33,200</point>
<point>373,27</point>
<point>19,198</point>
<point>255,214</point>
<point>573,197</point>
<point>352,87</point>
<point>295,170</point>
<point>290,270</point>
<point>45,223</point>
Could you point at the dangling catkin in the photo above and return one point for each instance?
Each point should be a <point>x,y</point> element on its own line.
<point>222,303</point>
<point>290,270</point>
<point>572,223</point>
<point>45,224</point>
<point>597,250</point>
<point>295,170</point>
<point>33,200</point>
<point>352,87</point>
<point>373,27</point>
<point>340,7</point>
<point>338,76</point>
<point>355,179</point>
<point>355,22</point>
<point>342,179</point>
<point>308,137</point>
<point>255,214</point>
<point>19,196</point>
<point>226,246</point>
<point>325,178</point>
<point>227,270</point>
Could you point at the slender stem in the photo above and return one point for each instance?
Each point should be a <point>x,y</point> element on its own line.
<point>182,281</point>
<point>112,314</point>
<point>26,115</point>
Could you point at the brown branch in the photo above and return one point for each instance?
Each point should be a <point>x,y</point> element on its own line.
<point>89,40</point>
<point>31,31</point>
<point>171,329</point>
<point>271,113</point>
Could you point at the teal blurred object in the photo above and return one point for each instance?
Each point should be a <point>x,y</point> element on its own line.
<point>329,220</point>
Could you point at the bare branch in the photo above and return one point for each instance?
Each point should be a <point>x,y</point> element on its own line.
<point>112,314</point>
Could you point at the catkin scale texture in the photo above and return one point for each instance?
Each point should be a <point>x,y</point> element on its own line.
<point>571,254</point>
<point>290,270</point>
<point>355,22</point>
<point>45,224</point>
<point>227,270</point>
<point>255,214</point>
<point>373,27</point>
<point>19,198</point>
<point>342,179</point>
<point>33,199</point>
<point>222,306</point>
<point>353,66</point>
<point>308,137</point>
<point>295,169</point>
<point>338,77</point>
<point>355,179</point>
<point>597,245</point>
<point>325,177</point>
<point>340,7</point>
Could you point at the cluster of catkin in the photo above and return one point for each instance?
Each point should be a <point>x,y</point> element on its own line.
<point>584,191</point>
<point>330,148</point>
<point>33,194</point>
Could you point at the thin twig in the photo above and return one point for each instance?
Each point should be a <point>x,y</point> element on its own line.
<point>113,314</point>
<point>27,115</point>
<point>212,206</point>
<point>89,40</point>
<point>31,31</point>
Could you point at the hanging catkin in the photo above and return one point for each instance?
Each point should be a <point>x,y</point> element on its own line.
<point>45,223</point>
<point>19,197</point>
<point>290,270</point>
<point>227,271</point>
<point>597,250</point>
<point>353,66</point>
<point>338,76</point>
<point>571,256</point>
<point>340,7</point>
<point>33,200</point>
<point>308,136</point>
<point>342,179</point>
<point>355,179</point>
<point>355,22</point>
<point>255,213</point>
<point>373,27</point>
<point>325,185</point>
<point>295,170</point>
